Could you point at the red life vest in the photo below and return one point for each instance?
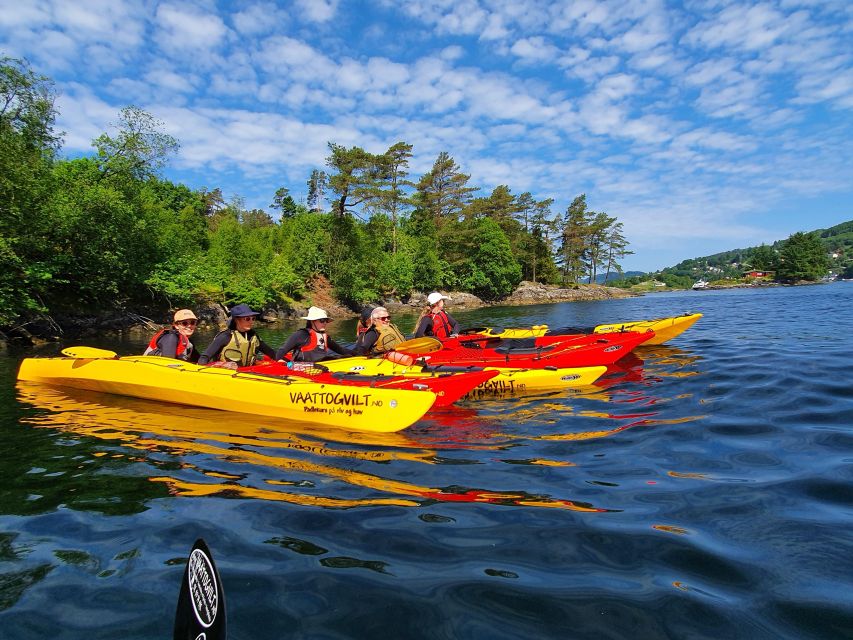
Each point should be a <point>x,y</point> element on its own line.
<point>182,352</point>
<point>311,351</point>
<point>441,325</point>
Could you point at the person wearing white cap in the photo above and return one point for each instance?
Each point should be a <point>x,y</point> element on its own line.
<point>434,321</point>
<point>174,342</point>
<point>238,345</point>
<point>311,343</point>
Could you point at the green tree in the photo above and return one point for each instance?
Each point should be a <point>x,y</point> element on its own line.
<point>763,258</point>
<point>490,270</point>
<point>616,249</point>
<point>27,147</point>
<point>139,149</point>
<point>284,202</point>
<point>317,185</point>
<point>443,192</point>
<point>598,230</point>
<point>573,240</point>
<point>356,177</point>
<point>391,195</point>
<point>802,257</point>
<point>542,230</point>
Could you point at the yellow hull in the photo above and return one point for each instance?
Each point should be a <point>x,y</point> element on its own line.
<point>665,328</point>
<point>507,380</point>
<point>168,380</point>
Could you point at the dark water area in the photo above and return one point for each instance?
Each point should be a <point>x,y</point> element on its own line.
<point>703,490</point>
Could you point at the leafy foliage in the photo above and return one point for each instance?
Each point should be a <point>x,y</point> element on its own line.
<point>108,231</point>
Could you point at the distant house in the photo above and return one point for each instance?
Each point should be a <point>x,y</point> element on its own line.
<point>757,274</point>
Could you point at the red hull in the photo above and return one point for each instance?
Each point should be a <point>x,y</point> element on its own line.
<point>448,387</point>
<point>573,351</point>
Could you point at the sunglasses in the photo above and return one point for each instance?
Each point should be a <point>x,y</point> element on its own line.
<point>187,323</point>
<point>384,318</point>
<point>324,320</point>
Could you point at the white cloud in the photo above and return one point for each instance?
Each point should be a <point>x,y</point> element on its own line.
<point>259,18</point>
<point>317,10</point>
<point>181,29</point>
<point>535,49</point>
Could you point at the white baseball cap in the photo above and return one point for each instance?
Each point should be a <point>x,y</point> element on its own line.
<point>434,297</point>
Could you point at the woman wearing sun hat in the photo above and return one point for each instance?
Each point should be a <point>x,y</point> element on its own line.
<point>174,342</point>
<point>311,343</point>
<point>434,321</point>
<point>238,345</point>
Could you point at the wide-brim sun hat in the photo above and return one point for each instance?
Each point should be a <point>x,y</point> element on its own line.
<point>434,297</point>
<point>243,311</point>
<point>316,313</point>
<point>184,314</point>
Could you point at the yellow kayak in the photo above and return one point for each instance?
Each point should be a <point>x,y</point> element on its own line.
<point>507,380</point>
<point>292,398</point>
<point>665,329</point>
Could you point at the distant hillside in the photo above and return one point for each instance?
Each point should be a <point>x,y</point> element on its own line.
<point>732,263</point>
<point>611,276</point>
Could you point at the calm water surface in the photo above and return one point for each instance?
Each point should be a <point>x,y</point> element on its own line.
<point>704,490</point>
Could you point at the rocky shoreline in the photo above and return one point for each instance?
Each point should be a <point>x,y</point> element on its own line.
<point>53,329</point>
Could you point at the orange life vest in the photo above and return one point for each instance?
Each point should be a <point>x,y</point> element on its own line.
<point>183,351</point>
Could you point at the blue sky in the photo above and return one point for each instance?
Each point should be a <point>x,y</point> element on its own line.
<point>702,126</point>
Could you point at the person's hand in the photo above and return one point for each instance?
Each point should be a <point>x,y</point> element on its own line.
<point>230,365</point>
<point>453,335</point>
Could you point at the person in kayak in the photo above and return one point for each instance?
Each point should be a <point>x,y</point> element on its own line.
<point>434,321</point>
<point>381,337</point>
<point>174,342</point>
<point>238,345</point>
<point>365,321</point>
<point>311,343</point>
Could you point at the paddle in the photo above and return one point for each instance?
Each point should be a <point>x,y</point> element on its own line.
<point>419,346</point>
<point>201,603</point>
<point>88,352</point>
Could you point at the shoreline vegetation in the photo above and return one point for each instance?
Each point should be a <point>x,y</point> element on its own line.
<point>70,326</point>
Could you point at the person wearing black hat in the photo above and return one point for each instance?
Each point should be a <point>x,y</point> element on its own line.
<point>365,321</point>
<point>238,345</point>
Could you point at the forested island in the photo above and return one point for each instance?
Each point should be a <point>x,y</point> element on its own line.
<point>107,233</point>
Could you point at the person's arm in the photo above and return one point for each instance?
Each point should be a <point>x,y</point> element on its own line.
<point>267,350</point>
<point>297,339</point>
<point>366,342</point>
<point>334,346</point>
<point>424,327</point>
<point>215,348</point>
<point>454,325</point>
<point>168,345</point>
<point>195,354</point>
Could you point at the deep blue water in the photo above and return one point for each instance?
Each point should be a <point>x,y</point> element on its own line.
<point>705,491</point>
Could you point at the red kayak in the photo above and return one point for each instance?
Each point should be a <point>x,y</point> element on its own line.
<point>573,351</point>
<point>448,387</point>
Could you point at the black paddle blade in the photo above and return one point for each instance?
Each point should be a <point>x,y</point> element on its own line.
<point>201,604</point>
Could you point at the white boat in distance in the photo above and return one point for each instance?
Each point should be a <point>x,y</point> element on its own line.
<point>701,284</point>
